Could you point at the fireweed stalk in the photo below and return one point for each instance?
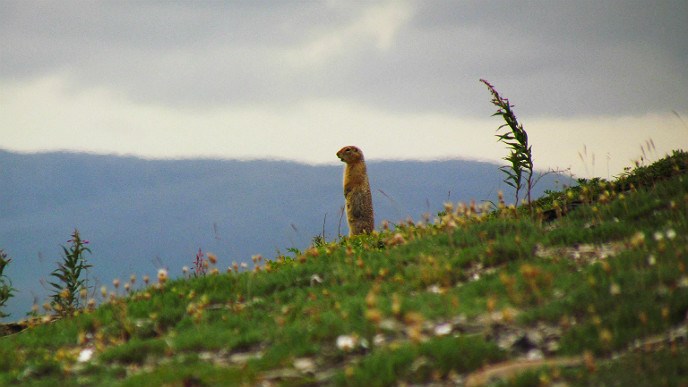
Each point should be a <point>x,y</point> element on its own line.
<point>520,172</point>
<point>6,289</point>
<point>70,276</point>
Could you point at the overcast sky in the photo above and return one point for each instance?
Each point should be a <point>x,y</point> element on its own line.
<point>297,79</point>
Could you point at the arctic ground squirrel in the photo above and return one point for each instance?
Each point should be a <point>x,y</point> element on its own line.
<point>359,200</point>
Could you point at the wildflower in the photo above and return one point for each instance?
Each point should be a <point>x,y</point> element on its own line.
<point>132,279</point>
<point>642,316</point>
<point>396,304</point>
<point>373,315</point>
<point>658,236</point>
<point>614,289</point>
<point>606,336</point>
<point>162,276</point>
<point>683,282</point>
<point>103,291</point>
<point>491,304</point>
<point>385,226</point>
<point>146,279</point>
<point>65,293</point>
<point>435,289</point>
<point>185,270</point>
<point>651,260</point>
<point>670,234</point>
<point>638,239</point>
<point>371,299</point>
<point>346,343</point>
<point>212,258</point>
<point>115,283</point>
<point>589,361</point>
<point>397,239</point>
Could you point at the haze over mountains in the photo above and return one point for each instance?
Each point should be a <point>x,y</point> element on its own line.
<point>140,215</point>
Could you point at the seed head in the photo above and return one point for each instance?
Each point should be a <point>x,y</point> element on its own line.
<point>212,258</point>
<point>162,276</point>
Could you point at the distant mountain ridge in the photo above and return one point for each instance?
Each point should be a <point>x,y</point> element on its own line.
<point>141,214</point>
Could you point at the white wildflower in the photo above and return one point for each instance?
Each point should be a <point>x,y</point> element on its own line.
<point>346,343</point>
<point>162,276</point>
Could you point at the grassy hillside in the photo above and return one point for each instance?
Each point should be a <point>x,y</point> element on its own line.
<point>589,287</point>
<point>142,214</point>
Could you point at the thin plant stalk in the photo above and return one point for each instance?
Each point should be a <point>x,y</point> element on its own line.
<point>70,276</point>
<point>6,289</point>
<point>520,169</point>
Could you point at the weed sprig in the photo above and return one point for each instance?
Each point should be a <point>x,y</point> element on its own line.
<point>71,282</point>
<point>6,289</point>
<point>520,172</point>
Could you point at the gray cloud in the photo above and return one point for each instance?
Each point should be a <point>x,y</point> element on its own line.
<point>558,58</point>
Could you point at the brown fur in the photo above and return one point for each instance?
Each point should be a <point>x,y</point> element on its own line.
<point>359,200</point>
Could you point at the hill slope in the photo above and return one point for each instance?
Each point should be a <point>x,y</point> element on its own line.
<point>140,215</point>
<point>597,296</point>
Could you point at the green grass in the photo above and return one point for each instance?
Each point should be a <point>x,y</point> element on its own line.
<point>391,291</point>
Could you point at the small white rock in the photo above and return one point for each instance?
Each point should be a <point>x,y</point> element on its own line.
<point>305,365</point>
<point>535,354</point>
<point>443,329</point>
<point>85,355</point>
<point>379,339</point>
<point>435,289</point>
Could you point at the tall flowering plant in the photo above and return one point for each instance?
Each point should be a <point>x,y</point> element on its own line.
<point>6,289</point>
<point>70,276</point>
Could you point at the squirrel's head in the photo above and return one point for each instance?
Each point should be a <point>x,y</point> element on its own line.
<point>350,154</point>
